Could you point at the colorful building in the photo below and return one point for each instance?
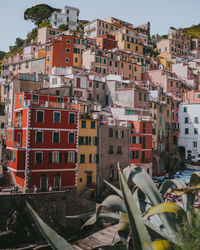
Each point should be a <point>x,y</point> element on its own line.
<point>141,144</point>
<point>88,157</point>
<point>43,142</point>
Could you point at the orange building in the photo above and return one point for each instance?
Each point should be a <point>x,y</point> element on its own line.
<point>59,53</point>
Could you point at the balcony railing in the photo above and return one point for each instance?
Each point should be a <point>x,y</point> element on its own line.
<point>5,72</point>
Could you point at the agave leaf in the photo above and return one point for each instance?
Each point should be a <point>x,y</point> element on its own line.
<point>194,179</point>
<point>169,183</point>
<point>161,245</point>
<point>145,183</point>
<point>153,228</point>
<point>140,237</point>
<point>112,202</point>
<point>117,190</point>
<point>166,207</point>
<point>101,215</point>
<point>54,239</point>
<point>127,171</point>
<point>142,201</point>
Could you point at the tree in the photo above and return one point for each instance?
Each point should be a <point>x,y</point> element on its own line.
<point>2,54</point>
<point>39,13</point>
<point>19,42</point>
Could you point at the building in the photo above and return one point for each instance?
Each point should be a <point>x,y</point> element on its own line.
<point>21,82</point>
<point>46,34</point>
<point>113,149</point>
<point>178,44</point>
<point>68,16</point>
<point>188,139</point>
<point>106,41</point>
<point>117,62</point>
<point>43,142</point>
<point>141,144</point>
<point>166,80</point>
<point>88,157</point>
<point>64,51</point>
<point>99,27</point>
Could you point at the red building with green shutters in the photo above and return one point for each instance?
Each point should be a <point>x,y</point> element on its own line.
<point>141,144</point>
<point>42,142</point>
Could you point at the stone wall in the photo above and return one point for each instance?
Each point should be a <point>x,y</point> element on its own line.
<point>51,207</point>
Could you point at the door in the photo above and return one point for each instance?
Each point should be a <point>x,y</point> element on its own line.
<point>89,178</point>
<point>44,183</point>
<point>57,182</point>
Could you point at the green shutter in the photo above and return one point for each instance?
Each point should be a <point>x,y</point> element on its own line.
<point>50,157</point>
<point>75,157</point>
<point>66,157</point>
<point>60,157</point>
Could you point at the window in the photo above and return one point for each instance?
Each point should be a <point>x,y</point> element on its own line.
<point>153,131</point>
<point>168,112</point>
<point>39,136</point>
<point>68,41</point>
<point>48,58</point>
<point>60,99</point>
<point>66,59</point>
<point>186,119</point>
<point>38,157</point>
<point>135,155</point>
<point>171,84</point>
<point>56,137</point>
<point>144,97</point>
<point>92,124</point>
<point>160,121</point>
<point>186,131</point>
<point>40,116</point>
<point>119,150</point>
<point>196,120</point>
<point>110,151</point>
<point>20,99</point>
<point>140,96</point>
<point>56,117</point>
<point>35,98</point>
<point>82,158</point>
<point>196,131</point>
<point>57,92</point>
<point>72,117</point>
<point>161,109</point>
<point>71,138</point>
<point>104,61</point>
<point>195,144</point>
<point>128,45</point>
<point>177,84</point>
<point>83,124</point>
<point>110,132</point>
<point>67,50</point>
<point>55,157</point>
<point>185,109</point>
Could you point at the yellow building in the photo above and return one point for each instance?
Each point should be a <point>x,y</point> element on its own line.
<point>167,64</point>
<point>128,39</point>
<point>87,154</point>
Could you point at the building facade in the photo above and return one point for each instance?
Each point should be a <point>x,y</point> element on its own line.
<point>43,142</point>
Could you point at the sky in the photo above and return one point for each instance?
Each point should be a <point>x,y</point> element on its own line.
<point>161,14</point>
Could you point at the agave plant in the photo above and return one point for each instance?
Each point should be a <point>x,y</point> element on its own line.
<point>146,222</point>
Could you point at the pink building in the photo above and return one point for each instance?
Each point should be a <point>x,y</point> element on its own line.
<point>167,80</point>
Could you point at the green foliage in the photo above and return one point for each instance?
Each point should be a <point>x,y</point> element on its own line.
<point>194,31</point>
<point>2,54</point>
<point>31,36</point>
<point>190,233</point>
<point>45,24</point>
<point>63,27</point>
<point>80,25</point>
<point>39,13</point>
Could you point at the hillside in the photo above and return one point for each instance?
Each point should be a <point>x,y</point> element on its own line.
<point>194,31</point>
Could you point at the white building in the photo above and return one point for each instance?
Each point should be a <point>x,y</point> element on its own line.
<point>68,16</point>
<point>189,129</point>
